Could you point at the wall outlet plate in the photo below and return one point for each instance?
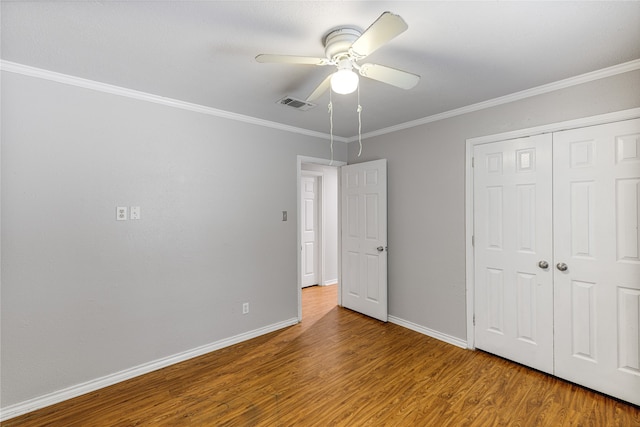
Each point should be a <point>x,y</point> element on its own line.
<point>121,213</point>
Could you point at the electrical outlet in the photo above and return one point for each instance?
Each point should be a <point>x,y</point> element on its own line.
<point>121,213</point>
<point>245,308</point>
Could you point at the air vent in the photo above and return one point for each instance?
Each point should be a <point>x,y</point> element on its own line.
<point>298,104</point>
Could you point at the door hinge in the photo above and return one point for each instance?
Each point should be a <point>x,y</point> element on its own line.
<point>473,241</point>
<point>473,162</point>
<point>474,320</point>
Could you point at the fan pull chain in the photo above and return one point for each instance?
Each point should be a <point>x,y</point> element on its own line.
<point>331,126</point>
<point>359,122</point>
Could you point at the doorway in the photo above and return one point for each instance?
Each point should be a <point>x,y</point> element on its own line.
<point>318,239</point>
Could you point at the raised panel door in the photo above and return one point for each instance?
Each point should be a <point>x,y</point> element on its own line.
<point>309,229</point>
<point>513,233</point>
<point>596,219</point>
<point>364,238</point>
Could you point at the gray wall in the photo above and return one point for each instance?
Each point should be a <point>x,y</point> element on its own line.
<point>84,295</point>
<point>426,201</point>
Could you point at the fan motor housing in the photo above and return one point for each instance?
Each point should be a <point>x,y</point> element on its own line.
<point>337,42</point>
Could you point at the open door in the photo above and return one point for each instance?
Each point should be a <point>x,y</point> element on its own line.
<point>364,238</point>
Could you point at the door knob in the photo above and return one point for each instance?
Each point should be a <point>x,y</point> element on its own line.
<point>543,264</point>
<point>562,266</point>
<point>380,248</point>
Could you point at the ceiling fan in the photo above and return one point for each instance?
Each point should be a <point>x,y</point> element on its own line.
<point>344,47</point>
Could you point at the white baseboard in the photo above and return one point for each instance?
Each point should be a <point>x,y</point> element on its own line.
<point>330,282</point>
<point>98,383</point>
<point>429,332</point>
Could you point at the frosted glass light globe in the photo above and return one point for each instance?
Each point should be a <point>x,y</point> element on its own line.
<point>344,81</point>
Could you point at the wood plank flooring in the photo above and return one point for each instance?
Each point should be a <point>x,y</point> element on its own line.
<point>339,368</point>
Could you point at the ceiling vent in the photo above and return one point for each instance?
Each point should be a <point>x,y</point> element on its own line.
<point>298,104</point>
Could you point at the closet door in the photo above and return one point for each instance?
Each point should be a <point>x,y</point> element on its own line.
<point>597,257</point>
<point>513,241</point>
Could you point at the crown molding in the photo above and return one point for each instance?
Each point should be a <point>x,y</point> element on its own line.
<point>26,70</point>
<point>516,96</point>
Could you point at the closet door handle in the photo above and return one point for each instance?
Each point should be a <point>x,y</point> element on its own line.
<point>543,264</point>
<point>562,266</point>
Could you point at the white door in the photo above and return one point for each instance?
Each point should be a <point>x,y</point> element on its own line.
<point>597,247</point>
<point>309,215</point>
<point>512,240</point>
<point>364,238</point>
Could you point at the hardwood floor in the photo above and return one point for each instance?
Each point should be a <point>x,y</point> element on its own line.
<point>339,368</point>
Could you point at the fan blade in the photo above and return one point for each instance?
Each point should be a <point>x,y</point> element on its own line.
<point>322,88</point>
<point>290,59</point>
<point>384,29</point>
<point>392,76</point>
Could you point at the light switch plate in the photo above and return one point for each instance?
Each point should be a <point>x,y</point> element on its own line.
<point>135,212</point>
<point>121,213</point>
<point>284,215</point>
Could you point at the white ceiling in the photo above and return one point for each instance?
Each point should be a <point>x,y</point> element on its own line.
<point>203,52</point>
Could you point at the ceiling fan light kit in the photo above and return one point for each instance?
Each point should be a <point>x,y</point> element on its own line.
<point>344,81</point>
<point>344,47</point>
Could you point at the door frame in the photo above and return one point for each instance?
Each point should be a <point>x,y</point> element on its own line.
<point>323,162</point>
<point>470,144</point>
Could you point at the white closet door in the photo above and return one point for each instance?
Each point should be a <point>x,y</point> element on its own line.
<point>596,220</point>
<point>513,238</point>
